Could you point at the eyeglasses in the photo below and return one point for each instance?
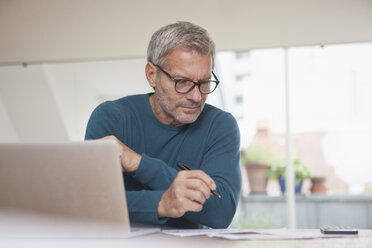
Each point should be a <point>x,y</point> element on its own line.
<point>185,85</point>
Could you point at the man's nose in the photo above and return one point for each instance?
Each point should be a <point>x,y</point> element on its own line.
<point>195,94</point>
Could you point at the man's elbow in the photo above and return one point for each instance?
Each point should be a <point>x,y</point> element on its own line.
<point>221,222</point>
<point>221,218</point>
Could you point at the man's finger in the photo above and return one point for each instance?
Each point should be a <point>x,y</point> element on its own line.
<point>199,174</point>
<point>196,195</point>
<point>198,185</point>
<point>192,205</point>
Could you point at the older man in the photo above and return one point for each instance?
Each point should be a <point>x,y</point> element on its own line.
<point>173,125</point>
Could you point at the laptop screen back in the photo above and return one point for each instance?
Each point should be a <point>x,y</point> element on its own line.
<point>69,189</point>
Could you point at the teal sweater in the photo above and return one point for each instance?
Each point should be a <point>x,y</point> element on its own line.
<point>210,144</point>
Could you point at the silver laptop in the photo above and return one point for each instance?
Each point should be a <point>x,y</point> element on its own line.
<point>72,189</point>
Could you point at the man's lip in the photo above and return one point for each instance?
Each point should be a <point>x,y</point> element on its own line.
<point>190,107</point>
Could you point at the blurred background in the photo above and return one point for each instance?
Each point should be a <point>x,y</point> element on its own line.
<point>60,59</point>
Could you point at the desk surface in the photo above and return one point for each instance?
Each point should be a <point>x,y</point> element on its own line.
<point>164,241</point>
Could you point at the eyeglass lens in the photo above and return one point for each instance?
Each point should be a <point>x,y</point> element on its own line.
<point>184,86</point>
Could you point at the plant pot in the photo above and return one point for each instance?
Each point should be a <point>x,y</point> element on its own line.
<point>281,180</point>
<point>257,178</point>
<point>318,185</point>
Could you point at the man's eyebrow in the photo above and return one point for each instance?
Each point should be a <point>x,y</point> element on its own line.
<point>177,76</point>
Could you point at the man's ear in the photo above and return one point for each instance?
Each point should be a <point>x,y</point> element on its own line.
<point>151,74</point>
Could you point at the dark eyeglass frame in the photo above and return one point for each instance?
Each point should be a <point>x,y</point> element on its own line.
<point>176,80</point>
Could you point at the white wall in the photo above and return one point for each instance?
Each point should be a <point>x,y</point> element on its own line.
<point>29,106</point>
<point>7,131</point>
<point>50,101</point>
<point>79,87</point>
<point>53,102</point>
<point>54,30</point>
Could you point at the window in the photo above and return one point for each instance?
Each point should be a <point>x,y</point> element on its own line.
<point>331,107</point>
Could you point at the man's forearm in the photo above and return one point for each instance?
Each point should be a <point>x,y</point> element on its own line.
<point>142,206</point>
<point>155,173</point>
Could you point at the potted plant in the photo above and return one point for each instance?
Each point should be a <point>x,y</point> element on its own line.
<point>257,160</point>
<point>318,185</point>
<point>277,170</point>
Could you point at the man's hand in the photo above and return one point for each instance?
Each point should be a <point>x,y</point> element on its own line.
<point>188,192</point>
<point>129,159</point>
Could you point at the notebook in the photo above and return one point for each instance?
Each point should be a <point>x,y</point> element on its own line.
<point>71,189</point>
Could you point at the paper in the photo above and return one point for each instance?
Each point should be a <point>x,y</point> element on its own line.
<point>206,232</point>
<point>247,234</point>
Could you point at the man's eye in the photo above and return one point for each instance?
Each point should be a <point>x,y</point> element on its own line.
<point>184,81</point>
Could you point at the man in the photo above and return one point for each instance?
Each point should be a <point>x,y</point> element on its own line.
<point>173,125</point>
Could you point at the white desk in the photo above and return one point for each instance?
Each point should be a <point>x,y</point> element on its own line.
<point>160,240</point>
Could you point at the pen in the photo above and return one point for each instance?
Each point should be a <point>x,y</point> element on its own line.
<point>185,167</point>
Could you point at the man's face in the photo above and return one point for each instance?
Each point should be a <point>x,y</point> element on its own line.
<point>174,108</point>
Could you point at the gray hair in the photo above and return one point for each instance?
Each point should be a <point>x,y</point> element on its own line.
<point>183,35</point>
